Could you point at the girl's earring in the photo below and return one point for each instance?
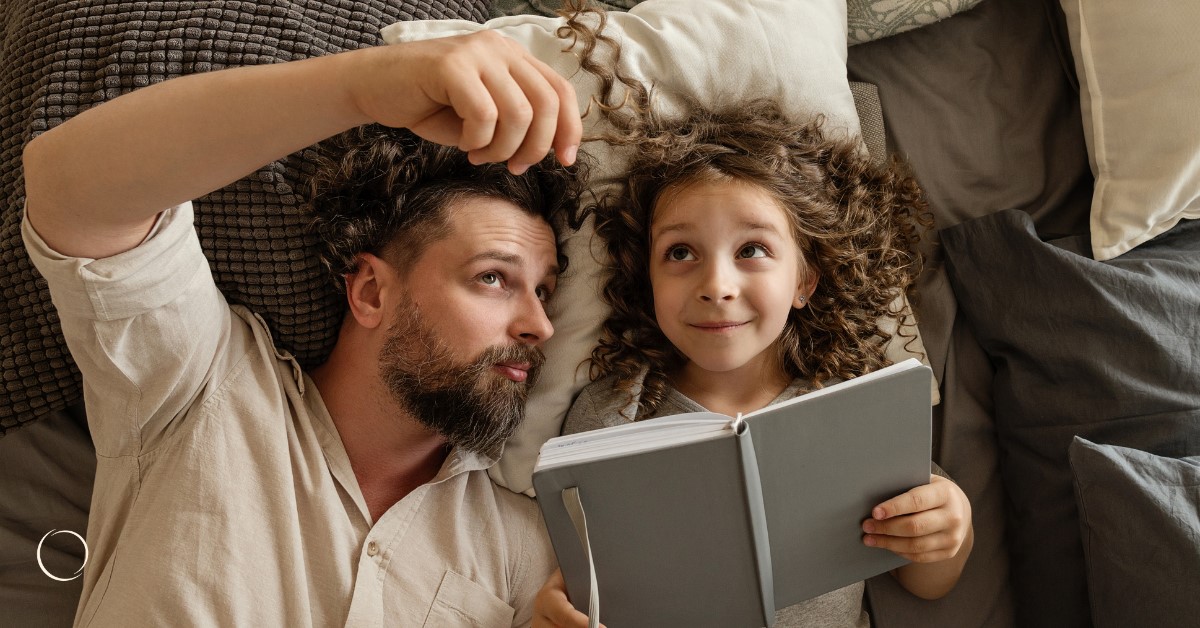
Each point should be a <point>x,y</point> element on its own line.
<point>802,299</point>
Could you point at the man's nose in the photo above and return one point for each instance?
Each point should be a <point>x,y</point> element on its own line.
<point>531,324</point>
<point>718,282</point>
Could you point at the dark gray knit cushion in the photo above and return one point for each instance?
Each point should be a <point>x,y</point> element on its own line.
<point>59,57</point>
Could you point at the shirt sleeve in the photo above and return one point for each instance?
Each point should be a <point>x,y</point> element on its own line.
<point>146,328</point>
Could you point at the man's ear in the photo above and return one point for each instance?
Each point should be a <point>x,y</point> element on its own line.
<point>366,288</point>
<point>807,286</point>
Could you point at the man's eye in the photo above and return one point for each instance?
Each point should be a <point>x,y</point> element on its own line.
<point>490,279</point>
<point>752,250</point>
<point>679,254</point>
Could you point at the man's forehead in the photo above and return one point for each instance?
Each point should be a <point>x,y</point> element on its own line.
<point>499,230</point>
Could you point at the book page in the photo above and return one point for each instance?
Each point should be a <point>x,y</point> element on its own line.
<point>886,371</point>
<point>632,438</point>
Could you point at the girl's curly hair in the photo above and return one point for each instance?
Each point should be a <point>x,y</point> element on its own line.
<point>384,191</point>
<point>857,225</point>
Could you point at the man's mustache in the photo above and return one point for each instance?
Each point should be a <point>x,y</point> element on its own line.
<point>519,353</point>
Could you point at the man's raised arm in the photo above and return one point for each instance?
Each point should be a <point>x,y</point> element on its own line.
<point>95,184</point>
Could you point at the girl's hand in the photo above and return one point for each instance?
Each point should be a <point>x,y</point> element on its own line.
<point>928,524</point>
<point>482,92</point>
<point>552,609</point>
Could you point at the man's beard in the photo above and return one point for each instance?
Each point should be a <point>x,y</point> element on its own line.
<point>471,405</point>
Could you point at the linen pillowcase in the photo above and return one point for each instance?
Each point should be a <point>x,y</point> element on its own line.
<point>1139,515</point>
<point>1138,88</point>
<point>868,20</point>
<point>793,52</point>
<point>1103,350</point>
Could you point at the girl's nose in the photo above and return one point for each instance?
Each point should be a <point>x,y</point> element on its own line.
<point>719,283</point>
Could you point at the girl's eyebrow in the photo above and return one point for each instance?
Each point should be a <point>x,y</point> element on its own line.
<point>746,225</point>
<point>677,226</point>
<point>758,226</point>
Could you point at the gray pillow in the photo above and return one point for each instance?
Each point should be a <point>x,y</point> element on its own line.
<point>1139,515</point>
<point>1104,350</point>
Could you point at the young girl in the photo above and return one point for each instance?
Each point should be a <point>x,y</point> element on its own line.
<point>752,260</point>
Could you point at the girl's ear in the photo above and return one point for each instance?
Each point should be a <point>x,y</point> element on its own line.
<point>808,285</point>
<point>365,288</point>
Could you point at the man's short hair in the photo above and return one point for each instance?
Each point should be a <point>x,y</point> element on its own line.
<point>385,191</point>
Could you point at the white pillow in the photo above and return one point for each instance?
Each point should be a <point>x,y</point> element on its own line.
<point>1139,87</point>
<point>716,51</point>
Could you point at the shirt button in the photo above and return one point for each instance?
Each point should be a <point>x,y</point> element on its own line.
<point>372,548</point>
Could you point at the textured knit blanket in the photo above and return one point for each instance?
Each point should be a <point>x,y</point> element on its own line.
<point>59,57</point>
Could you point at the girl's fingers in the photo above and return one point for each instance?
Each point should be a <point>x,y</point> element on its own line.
<point>918,499</point>
<point>921,524</point>
<point>929,548</point>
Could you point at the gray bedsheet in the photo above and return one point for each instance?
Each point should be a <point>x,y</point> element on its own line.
<point>985,108</point>
<point>1103,350</point>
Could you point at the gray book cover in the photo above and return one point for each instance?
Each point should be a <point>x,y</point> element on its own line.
<point>686,533</point>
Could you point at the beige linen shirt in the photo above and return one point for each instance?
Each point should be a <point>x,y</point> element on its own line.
<point>223,495</point>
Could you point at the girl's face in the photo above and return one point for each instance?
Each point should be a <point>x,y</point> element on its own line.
<point>726,272</point>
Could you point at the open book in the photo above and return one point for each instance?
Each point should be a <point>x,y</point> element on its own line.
<point>702,519</point>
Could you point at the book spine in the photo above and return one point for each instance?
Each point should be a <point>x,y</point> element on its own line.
<point>757,512</point>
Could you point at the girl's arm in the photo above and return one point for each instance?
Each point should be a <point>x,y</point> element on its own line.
<point>930,526</point>
<point>95,183</point>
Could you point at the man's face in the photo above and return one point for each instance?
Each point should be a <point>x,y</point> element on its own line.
<point>464,346</point>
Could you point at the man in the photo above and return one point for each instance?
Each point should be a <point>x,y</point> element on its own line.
<point>231,489</point>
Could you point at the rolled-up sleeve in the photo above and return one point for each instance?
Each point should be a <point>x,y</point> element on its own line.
<point>147,328</point>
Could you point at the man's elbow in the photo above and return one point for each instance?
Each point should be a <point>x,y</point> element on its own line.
<point>36,164</point>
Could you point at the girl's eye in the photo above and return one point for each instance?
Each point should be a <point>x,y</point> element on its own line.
<point>752,250</point>
<point>490,278</point>
<point>679,254</point>
<point>542,293</point>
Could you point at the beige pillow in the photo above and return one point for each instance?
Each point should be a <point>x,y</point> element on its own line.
<point>794,52</point>
<point>1139,87</point>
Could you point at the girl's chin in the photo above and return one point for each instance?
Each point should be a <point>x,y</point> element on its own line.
<point>717,366</point>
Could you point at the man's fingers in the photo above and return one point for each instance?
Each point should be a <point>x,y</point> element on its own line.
<point>483,93</point>
<point>535,110</point>
<point>539,137</point>
<point>528,114</point>
<point>569,130</point>
<point>473,102</point>
<point>443,127</point>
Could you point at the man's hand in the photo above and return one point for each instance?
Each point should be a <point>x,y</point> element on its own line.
<point>552,609</point>
<point>929,525</point>
<point>483,93</point>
